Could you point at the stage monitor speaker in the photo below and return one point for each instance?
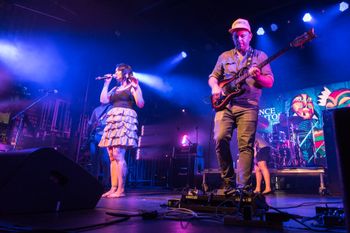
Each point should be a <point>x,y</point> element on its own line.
<point>341,118</point>
<point>43,180</point>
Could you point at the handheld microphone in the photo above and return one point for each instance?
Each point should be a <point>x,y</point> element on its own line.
<point>106,76</point>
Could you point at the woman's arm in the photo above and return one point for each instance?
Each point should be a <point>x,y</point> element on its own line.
<point>104,97</point>
<point>137,93</point>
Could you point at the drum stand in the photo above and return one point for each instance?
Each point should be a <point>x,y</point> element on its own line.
<point>313,141</point>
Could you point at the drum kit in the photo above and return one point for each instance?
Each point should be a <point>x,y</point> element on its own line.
<point>284,142</point>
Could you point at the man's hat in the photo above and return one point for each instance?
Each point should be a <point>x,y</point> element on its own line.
<point>239,24</point>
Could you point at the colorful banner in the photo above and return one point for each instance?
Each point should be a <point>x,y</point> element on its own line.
<point>295,123</point>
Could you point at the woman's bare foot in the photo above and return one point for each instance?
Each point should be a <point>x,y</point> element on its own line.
<point>267,191</point>
<point>116,195</point>
<point>111,191</point>
<point>257,191</point>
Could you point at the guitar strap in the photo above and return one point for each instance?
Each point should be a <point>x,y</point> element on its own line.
<point>103,112</point>
<point>250,57</point>
<point>98,119</point>
<point>92,131</point>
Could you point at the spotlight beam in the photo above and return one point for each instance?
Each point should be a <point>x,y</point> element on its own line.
<point>153,81</point>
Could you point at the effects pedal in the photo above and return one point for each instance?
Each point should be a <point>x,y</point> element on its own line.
<point>330,216</point>
<point>248,204</point>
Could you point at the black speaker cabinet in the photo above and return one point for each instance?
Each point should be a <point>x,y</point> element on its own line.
<point>43,180</point>
<point>342,130</point>
<point>186,164</point>
<point>337,130</point>
<point>332,172</point>
<point>183,171</point>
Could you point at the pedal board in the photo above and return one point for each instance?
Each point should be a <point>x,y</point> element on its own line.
<point>330,216</point>
<point>247,204</point>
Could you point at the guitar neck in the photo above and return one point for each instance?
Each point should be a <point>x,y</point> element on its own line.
<point>273,57</point>
<point>262,64</point>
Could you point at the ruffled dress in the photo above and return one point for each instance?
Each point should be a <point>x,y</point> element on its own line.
<point>121,128</point>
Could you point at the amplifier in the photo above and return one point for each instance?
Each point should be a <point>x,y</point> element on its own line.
<point>186,164</point>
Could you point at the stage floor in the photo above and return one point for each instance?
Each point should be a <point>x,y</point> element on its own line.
<point>156,199</point>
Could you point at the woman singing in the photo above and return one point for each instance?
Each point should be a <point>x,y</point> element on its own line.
<point>120,132</point>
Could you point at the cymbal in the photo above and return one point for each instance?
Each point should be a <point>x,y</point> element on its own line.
<point>263,123</point>
<point>260,139</point>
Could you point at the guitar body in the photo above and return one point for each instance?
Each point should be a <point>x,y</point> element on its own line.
<point>219,101</point>
<point>231,89</point>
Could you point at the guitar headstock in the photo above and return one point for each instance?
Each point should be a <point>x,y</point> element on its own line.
<point>302,39</point>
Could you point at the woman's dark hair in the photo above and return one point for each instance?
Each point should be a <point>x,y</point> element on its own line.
<point>126,70</point>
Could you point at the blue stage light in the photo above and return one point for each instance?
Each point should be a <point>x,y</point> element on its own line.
<point>307,17</point>
<point>171,62</point>
<point>274,27</point>
<point>153,81</point>
<point>8,51</point>
<point>260,31</point>
<point>343,6</point>
<point>39,60</point>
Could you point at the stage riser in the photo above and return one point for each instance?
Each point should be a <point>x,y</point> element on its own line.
<point>289,180</point>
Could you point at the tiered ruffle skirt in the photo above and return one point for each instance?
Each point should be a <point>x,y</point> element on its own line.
<point>121,128</point>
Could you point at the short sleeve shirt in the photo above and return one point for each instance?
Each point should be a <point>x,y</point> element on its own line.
<point>229,62</point>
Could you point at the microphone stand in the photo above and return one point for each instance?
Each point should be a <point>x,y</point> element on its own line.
<point>20,115</point>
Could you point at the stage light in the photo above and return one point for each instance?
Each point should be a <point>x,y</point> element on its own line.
<point>183,110</point>
<point>153,81</point>
<point>185,141</point>
<point>274,27</point>
<point>307,17</point>
<point>343,6</point>
<point>8,51</point>
<point>170,63</point>
<point>260,31</point>
<point>178,58</point>
<point>39,59</point>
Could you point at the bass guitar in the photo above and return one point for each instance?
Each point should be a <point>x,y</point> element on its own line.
<point>232,83</point>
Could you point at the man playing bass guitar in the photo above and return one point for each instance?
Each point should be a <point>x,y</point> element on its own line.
<point>240,111</point>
